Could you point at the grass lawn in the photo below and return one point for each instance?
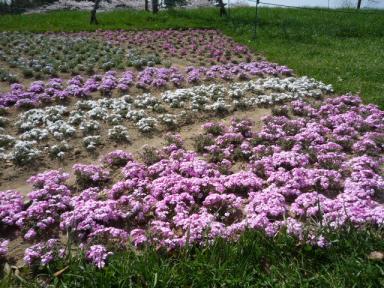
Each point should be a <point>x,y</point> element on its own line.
<point>253,261</point>
<point>344,49</point>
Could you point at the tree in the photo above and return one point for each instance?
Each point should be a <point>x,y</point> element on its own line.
<point>221,5</point>
<point>359,4</point>
<point>94,9</point>
<point>155,6</point>
<point>169,4</point>
<point>146,5</point>
<point>93,12</point>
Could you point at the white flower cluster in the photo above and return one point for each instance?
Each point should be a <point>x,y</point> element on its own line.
<point>37,134</point>
<point>6,141</point>
<point>219,106</point>
<point>146,101</point>
<point>3,121</point>
<point>59,150</point>
<point>89,127</point>
<point>119,133</point>
<point>255,92</point>
<point>90,142</point>
<point>169,120</point>
<point>85,5</point>
<point>146,124</point>
<point>24,152</point>
<point>61,129</point>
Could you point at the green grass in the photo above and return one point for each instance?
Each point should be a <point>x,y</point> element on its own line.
<point>253,261</point>
<point>344,49</point>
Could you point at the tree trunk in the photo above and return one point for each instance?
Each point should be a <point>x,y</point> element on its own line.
<point>146,7</point>
<point>155,6</point>
<point>93,12</point>
<point>359,4</point>
<point>223,12</point>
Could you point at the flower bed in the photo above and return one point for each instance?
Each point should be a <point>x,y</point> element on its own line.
<point>57,89</point>
<point>61,126</point>
<point>311,167</point>
<point>191,45</point>
<point>48,55</point>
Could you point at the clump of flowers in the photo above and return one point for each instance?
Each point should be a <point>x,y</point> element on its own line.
<point>44,253</point>
<point>11,203</point>
<point>119,133</point>
<point>24,152</point>
<point>90,142</point>
<point>98,255</point>
<point>90,174</point>
<point>117,158</point>
<point>3,248</point>
<point>47,178</point>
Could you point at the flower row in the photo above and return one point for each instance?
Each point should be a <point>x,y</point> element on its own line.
<point>49,54</point>
<point>37,128</point>
<point>194,46</point>
<point>45,56</point>
<point>57,90</point>
<point>310,167</point>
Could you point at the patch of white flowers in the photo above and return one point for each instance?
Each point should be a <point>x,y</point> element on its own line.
<point>3,121</point>
<point>145,101</point>
<point>37,134</point>
<point>6,140</point>
<point>136,115</point>
<point>60,129</point>
<point>97,113</point>
<point>59,150</point>
<point>146,125</point>
<point>119,133</point>
<point>90,142</point>
<point>89,127</point>
<point>24,152</point>
<point>219,106</point>
<point>169,120</point>
<point>260,91</point>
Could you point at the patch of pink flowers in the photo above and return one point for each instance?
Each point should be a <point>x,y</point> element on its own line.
<point>302,174</point>
<point>11,203</point>
<point>98,255</point>
<point>117,158</point>
<point>90,174</point>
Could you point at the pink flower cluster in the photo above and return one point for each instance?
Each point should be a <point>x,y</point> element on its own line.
<point>98,255</point>
<point>90,174</point>
<point>303,174</point>
<point>55,90</point>
<point>44,253</point>
<point>11,203</point>
<point>4,248</point>
<point>51,198</point>
<point>117,158</point>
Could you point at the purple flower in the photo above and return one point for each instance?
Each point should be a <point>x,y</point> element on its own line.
<point>98,255</point>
